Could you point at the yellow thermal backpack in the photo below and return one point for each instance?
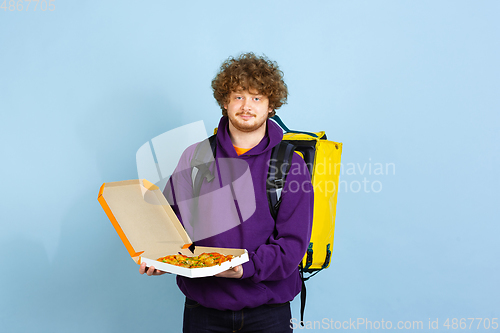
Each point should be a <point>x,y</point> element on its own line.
<point>322,158</point>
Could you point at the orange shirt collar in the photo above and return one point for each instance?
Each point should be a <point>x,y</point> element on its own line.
<point>240,151</point>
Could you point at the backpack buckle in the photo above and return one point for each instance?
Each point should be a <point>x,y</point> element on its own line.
<point>309,257</point>
<point>278,183</point>
<point>328,255</point>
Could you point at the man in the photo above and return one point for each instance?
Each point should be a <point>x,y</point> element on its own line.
<point>255,296</point>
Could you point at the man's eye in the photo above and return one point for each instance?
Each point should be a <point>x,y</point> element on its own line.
<point>257,98</point>
<point>239,97</point>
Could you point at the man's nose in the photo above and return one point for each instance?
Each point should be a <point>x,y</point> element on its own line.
<point>246,104</point>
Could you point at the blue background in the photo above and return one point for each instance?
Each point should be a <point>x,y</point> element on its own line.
<point>413,83</point>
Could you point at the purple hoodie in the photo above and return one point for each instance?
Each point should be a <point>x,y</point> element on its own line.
<point>237,215</point>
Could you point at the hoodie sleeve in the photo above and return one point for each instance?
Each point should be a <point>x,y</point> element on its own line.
<point>280,256</point>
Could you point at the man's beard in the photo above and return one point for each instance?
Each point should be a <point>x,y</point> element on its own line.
<point>244,126</point>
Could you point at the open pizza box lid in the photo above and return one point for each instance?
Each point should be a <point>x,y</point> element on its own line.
<point>149,228</point>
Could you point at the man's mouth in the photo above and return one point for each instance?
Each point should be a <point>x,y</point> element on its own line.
<point>246,115</point>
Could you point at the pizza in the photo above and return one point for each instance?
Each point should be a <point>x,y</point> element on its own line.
<point>203,260</point>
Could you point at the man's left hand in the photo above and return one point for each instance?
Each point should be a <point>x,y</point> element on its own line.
<point>232,273</point>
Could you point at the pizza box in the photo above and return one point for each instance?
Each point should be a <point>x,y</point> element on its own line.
<point>149,228</point>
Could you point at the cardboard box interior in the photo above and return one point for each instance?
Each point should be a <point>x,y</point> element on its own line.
<point>147,224</point>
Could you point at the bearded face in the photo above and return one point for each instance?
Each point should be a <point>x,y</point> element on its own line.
<point>247,110</point>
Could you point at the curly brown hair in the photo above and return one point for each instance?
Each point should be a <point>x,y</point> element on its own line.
<point>249,71</point>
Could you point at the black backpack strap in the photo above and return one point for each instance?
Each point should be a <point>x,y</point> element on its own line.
<point>279,165</point>
<point>280,122</point>
<point>302,296</point>
<point>204,155</point>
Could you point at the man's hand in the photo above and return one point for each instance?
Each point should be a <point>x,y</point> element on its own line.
<point>232,273</point>
<point>150,271</point>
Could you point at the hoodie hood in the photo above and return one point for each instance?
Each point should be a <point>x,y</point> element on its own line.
<point>274,135</point>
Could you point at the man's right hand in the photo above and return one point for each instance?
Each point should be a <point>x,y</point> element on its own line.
<point>149,270</point>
